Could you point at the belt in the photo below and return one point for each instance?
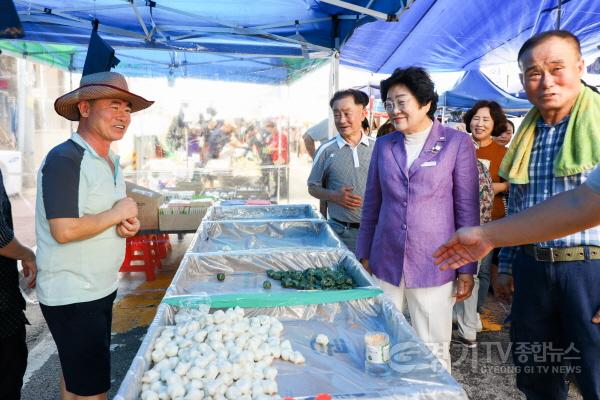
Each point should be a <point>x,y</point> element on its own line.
<point>353,225</point>
<point>558,254</point>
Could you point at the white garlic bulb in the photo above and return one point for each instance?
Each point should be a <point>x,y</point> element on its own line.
<point>158,355</point>
<point>270,373</point>
<point>233,393</point>
<point>195,373</point>
<point>297,358</point>
<point>220,356</point>
<point>176,390</point>
<point>171,349</point>
<point>269,387</point>
<point>182,368</point>
<point>195,394</point>
<point>286,345</point>
<point>149,395</point>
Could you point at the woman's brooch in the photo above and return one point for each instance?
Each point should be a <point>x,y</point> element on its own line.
<point>436,148</point>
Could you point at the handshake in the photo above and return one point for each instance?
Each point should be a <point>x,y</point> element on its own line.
<point>126,210</point>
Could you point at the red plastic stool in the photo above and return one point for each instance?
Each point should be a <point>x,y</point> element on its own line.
<point>154,250</point>
<point>164,245</point>
<point>138,257</point>
<point>166,241</point>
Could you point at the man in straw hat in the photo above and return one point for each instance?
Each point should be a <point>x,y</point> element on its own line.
<point>82,220</point>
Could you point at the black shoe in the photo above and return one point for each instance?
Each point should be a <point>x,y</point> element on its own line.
<point>470,344</point>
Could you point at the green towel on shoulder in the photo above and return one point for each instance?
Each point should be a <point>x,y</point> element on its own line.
<point>580,150</point>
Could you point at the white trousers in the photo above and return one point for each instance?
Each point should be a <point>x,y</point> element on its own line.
<point>430,312</point>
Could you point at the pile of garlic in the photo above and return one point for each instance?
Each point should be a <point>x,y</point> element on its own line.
<point>217,356</point>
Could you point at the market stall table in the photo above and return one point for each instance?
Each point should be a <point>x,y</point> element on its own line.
<point>219,236</point>
<point>339,367</point>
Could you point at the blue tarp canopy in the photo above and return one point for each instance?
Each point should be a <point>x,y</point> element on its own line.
<point>474,86</point>
<point>263,41</point>
<point>451,35</point>
<point>372,89</point>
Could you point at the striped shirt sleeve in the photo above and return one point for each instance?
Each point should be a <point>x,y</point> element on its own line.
<point>508,254</point>
<point>317,173</point>
<point>593,180</point>
<point>6,235</point>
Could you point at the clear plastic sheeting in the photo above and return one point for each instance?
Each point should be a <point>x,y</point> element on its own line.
<point>253,235</point>
<point>246,273</point>
<point>272,212</point>
<point>338,368</point>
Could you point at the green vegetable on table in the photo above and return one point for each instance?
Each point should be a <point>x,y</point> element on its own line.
<point>267,285</point>
<point>221,277</point>
<point>314,279</point>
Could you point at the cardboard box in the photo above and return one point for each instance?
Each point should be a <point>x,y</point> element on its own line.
<point>182,215</point>
<point>179,222</point>
<point>148,202</point>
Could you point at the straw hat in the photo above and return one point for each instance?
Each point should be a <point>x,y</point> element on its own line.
<point>101,85</point>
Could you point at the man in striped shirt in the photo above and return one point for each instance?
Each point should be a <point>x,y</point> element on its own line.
<point>341,165</point>
<point>556,283</point>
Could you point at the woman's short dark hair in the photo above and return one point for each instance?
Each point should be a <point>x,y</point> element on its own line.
<point>365,124</point>
<point>359,97</point>
<point>387,127</point>
<point>418,81</point>
<point>495,111</point>
<point>509,122</point>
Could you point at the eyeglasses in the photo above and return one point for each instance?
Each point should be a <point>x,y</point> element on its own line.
<point>391,105</point>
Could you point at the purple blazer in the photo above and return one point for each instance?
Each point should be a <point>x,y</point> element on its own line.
<point>408,214</point>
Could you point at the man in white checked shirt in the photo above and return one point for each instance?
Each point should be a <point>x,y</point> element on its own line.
<point>556,283</point>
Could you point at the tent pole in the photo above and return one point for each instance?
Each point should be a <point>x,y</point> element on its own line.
<point>334,85</point>
<point>242,30</point>
<point>71,86</point>
<point>363,10</point>
<point>371,103</point>
<point>558,14</point>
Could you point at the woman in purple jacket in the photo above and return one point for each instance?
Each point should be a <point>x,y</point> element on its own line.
<point>422,185</point>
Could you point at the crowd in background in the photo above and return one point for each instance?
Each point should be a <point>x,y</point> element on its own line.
<point>269,141</point>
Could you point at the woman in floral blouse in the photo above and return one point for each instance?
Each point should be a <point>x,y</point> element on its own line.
<point>466,312</point>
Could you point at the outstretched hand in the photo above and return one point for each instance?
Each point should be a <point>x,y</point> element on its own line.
<point>467,245</point>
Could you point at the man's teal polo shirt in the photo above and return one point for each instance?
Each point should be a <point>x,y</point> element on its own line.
<point>74,181</point>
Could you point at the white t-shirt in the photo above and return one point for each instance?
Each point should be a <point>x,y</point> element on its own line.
<point>414,144</point>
